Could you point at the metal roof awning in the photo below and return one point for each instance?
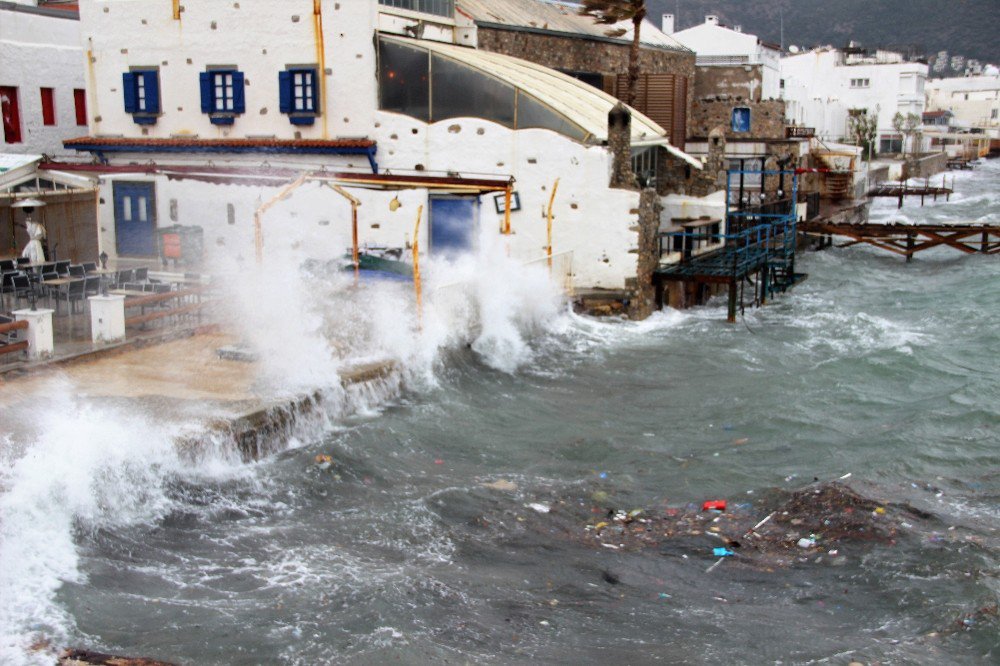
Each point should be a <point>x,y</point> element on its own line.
<point>23,176</point>
<point>581,104</point>
<point>664,142</point>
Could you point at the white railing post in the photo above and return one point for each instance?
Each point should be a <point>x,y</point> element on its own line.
<point>40,333</point>
<point>107,318</point>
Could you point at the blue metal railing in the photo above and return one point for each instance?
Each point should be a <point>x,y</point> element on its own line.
<point>761,237</point>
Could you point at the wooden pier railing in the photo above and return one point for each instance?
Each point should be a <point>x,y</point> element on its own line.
<point>7,347</point>
<point>181,305</point>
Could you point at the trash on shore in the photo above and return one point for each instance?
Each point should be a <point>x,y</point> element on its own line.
<point>714,505</point>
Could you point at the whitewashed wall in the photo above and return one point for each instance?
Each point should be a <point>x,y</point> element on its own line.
<point>819,91</point>
<point>593,221</point>
<point>975,100</point>
<point>41,52</point>
<point>259,37</point>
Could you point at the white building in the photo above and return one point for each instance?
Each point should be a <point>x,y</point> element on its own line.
<point>204,114</point>
<point>974,100</point>
<point>824,86</point>
<point>42,98</point>
<point>719,46</point>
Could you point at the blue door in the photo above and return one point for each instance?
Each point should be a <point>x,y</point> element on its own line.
<point>135,220</point>
<point>454,222</point>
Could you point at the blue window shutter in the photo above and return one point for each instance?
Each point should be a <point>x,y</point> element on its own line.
<point>285,92</point>
<point>128,87</point>
<point>315,92</point>
<point>239,98</point>
<point>205,78</point>
<point>152,91</point>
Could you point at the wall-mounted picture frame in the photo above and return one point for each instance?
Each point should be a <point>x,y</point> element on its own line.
<point>499,200</point>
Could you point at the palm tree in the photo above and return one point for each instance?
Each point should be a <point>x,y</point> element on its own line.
<point>612,12</point>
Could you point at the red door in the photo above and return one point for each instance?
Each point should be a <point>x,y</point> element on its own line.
<point>11,116</point>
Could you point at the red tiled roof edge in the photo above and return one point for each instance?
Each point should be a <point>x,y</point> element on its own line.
<point>218,143</point>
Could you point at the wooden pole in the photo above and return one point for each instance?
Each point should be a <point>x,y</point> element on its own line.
<point>508,196</point>
<point>731,316</point>
<point>416,266</point>
<point>548,247</point>
<point>355,255</point>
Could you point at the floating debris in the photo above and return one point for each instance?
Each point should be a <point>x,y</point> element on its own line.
<point>502,485</point>
<point>88,658</point>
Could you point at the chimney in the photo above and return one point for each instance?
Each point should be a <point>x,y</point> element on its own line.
<point>668,24</point>
<point>712,19</point>
<point>738,28</point>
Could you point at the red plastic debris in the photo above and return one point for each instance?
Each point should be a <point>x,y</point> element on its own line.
<point>714,505</point>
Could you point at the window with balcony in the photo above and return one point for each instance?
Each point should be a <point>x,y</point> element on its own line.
<point>141,90</point>
<point>222,94</point>
<point>299,94</point>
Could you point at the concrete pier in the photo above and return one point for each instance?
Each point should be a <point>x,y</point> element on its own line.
<point>187,385</point>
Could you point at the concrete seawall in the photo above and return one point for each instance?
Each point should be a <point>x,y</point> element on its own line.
<point>214,404</point>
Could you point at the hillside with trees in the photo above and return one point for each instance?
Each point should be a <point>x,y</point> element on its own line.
<point>960,27</point>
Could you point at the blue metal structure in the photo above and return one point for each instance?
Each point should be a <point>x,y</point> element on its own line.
<point>756,240</point>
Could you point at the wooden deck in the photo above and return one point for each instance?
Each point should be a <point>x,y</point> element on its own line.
<point>900,191</point>
<point>909,239</point>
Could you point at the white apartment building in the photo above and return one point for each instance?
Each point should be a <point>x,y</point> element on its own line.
<point>974,100</point>
<point>42,96</point>
<point>716,45</point>
<point>203,112</point>
<point>824,86</point>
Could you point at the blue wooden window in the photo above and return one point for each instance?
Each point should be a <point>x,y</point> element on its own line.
<point>222,95</point>
<point>141,89</point>
<point>298,89</point>
<point>741,119</point>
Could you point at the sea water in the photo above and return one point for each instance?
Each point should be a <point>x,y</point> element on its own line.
<point>399,552</point>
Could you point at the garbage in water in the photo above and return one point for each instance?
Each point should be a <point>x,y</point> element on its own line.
<point>722,552</point>
<point>767,533</point>
<point>714,505</point>
<point>500,484</point>
<point>323,461</point>
<point>540,508</point>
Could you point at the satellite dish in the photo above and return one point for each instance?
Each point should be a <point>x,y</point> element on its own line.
<point>793,49</point>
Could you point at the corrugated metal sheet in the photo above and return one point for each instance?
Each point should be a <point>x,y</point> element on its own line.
<point>559,17</point>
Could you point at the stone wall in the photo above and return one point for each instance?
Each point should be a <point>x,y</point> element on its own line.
<point>583,55</point>
<point>576,54</point>
<point>925,166</point>
<point>744,81</point>
<point>767,119</point>
<point>643,303</point>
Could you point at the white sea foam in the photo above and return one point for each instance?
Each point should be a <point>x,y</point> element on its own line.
<point>89,467</point>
